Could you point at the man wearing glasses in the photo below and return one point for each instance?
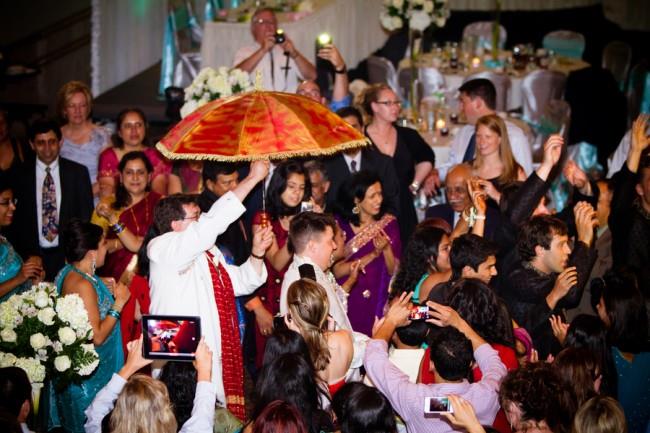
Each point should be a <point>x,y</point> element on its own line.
<point>280,63</point>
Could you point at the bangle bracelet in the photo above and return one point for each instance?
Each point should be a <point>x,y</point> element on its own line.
<point>479,217</point>
<point>117,228</point>
<point>256,256</point>
<point>343,70</point>
<point>114,314</point>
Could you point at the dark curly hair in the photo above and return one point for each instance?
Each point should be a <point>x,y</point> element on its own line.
<point>538,391</point>
<point>278,185</point>
<point>538,230</point>
<point>122,196</point>
<point>483,311</point>
<point>356,187</point>
<point>421,253</point>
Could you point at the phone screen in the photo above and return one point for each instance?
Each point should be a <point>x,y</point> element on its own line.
<point>437,405</point>
<point>170,337</point>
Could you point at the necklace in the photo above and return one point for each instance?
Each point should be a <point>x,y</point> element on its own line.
<point>90,277</point>
<point>146,216</point>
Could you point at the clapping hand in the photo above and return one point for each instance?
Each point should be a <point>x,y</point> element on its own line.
<point>381,241</point>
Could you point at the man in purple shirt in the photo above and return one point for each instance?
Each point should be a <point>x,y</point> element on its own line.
<point>451,357</point>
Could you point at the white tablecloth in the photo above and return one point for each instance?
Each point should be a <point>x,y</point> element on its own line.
<point>353,24</point>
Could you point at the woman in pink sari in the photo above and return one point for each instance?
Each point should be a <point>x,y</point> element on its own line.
<point>131,136</point>
<point>128,217</point>
<point>373,242</point>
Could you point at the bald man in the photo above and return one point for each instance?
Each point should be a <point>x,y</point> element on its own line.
<point>458,200</point>
<point>340,94</point>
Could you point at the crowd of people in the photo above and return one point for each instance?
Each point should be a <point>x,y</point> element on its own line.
<point>325,304</point>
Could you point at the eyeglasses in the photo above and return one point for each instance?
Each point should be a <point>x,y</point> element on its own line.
<point>389,103</point>
<point>13,201</point>
<point>194,217</point>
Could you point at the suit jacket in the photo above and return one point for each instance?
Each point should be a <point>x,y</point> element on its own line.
<point>76,202</point>
<point>338,172</point>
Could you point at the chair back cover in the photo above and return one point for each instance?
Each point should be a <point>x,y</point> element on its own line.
<point>565,43</point>
<point>538,88</point>
<point>617,56</point>
<point>501,84</point>
<point>381,70</point>
<point>638,91</point>
<point>556,118</point>
<point>432,80</point>
<point>483,31</point>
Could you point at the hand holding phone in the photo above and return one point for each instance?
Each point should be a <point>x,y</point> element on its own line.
<point>437,405</point>
<point>419,313</point>
<point>170,337</point>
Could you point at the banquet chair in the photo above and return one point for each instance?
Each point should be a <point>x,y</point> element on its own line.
<point>638,91</point>
<point>565,43</point>
<point>483,31</point>
<point>617,56</point>
<point>381,70</point>
<point>555,118</point>
<point>538,88</point>
<point>501,84</point>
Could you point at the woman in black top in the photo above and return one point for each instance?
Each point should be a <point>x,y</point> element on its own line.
<point>413,158</point>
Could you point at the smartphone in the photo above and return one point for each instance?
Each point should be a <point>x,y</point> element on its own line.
<point>323,40</point>
<point>306,206</point>
<point>170,337</point>
<point>419,313</point>
<point>437,405</point>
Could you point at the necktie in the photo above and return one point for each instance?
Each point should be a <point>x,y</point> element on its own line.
<point>471,148</point>
<point>49,213</point>
<point>353,166</point>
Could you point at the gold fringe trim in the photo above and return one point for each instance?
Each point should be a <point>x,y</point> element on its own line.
<point>354,144</point>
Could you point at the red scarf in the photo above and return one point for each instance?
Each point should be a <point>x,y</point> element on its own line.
<point>232,365</point>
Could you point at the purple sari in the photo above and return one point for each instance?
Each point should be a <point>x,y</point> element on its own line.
<point>370,292</point>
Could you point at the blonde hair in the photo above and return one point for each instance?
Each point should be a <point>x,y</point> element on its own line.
<point>143,407</point>
<point>65,93</point>
<point>600,415</point>
<point>369,95</point>
<point>510,167</point>
<point>309,308</point>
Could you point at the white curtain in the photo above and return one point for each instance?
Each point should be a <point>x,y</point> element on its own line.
<point>126,40</point>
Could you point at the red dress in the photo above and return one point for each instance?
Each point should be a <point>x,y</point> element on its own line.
<point>269,293</point>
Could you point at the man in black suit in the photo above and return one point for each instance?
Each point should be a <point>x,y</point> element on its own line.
<point>458,200</point>
<point>51,190</point>
<point>341,166</point>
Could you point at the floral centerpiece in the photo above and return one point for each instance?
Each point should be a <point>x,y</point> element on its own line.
<point>417,14</point>
<point>47,335</point>
<point>212,84</point>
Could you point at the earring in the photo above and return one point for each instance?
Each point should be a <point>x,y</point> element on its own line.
<point>93,265</point>
<point>355,210</point>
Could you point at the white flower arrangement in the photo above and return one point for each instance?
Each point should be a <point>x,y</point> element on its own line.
<point>47,335</point>
<point>212,84</point>
<point>418,14</point>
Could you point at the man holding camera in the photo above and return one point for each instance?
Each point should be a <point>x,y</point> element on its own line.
<point>274,56</point>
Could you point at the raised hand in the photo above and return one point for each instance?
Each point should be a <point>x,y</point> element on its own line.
<point>442,315</point>
<point>477,193</point>
<point>586,220</point>
<point>332,55</point>
<point>565,280</point>
<point>398,313</point>
<point>122,294</point>
<point>640,139</point>
<point>553,149</point>
<point>134,360</point>
<point>262,240</point>
<point>487,187</point>
<point>560,328</point>
<point>259,169</point>
<point>203,362</point>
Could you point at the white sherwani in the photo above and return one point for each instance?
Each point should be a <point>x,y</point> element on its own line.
<point>180,280</point>
<point>519,144</point>
<point>338,310</point>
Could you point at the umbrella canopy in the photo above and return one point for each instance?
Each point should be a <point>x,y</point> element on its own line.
<point>259,125</point>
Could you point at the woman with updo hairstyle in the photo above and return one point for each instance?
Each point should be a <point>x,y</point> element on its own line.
<point>412,157</point>
<point>131,136</point>
<point>308,314</point>
<point>83,140</point>
<point>600,415</point>
<point>288,188</point>
<point>373,246</point>
<point>85,249</point>
<point>291,378</point>
<point>425,263</point>
<point>361,408</point>
<point>493,162</point>
<point>279,417</point>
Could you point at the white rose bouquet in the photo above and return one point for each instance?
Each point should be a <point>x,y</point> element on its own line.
<point>47,335</point>
<point>210,85</point>
<point>418,14</point>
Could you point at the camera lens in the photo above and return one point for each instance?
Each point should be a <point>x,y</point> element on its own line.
<point>279,36</point>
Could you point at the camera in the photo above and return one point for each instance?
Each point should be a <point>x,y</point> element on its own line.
<point>279,36</point>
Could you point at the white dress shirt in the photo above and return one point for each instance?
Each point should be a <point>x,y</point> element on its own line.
<point>519,144</point>
<point>180,281</point>
<point>357,159</point>
<point>40,177</point>
<point>280,80</point>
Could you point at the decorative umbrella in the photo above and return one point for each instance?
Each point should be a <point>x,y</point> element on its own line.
<point>259,125</point>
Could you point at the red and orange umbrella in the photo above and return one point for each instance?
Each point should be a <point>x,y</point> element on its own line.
<point>259,125</point>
